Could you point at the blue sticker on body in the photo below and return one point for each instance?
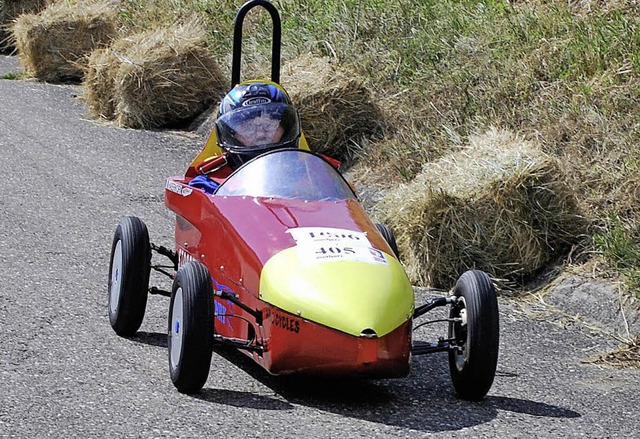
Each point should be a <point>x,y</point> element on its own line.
<point>220,311</point>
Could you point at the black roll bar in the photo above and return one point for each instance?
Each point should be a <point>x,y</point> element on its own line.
<point>275,41</point>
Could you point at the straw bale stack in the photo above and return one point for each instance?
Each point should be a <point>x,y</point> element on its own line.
<point>9,11</point>
<point>499,205</point>
<point>337,111</point>
<point>54,44</point>
<point>156,78</point>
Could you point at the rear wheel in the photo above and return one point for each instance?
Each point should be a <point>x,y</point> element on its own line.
<point>476,334</point>
<point>191,315</point>
<point>388,236</point>
<point>129,269</point>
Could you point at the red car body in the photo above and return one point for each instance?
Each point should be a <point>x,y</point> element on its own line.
<point>234,236</point>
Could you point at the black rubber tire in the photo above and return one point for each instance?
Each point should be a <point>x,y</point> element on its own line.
<point>190,362</point>
<point>390,237</point>
<point>473,370</point>
<point>129,280</point>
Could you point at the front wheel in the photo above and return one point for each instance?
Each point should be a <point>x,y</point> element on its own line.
<point>474,330</point>
<point>191,315</point>
<point>129,270</point>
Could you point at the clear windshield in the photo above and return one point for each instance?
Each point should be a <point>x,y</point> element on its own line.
<point>287,173</point>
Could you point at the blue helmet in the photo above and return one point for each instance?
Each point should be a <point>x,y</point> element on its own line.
<point>255,117</point>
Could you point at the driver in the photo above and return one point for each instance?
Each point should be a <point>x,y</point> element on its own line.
<point>256,117</point>
<point>253,118</point>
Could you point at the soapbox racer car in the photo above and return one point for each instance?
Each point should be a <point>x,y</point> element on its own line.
<point>283,263</point>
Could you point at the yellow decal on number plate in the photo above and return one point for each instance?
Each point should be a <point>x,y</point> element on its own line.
<point>326,244</point>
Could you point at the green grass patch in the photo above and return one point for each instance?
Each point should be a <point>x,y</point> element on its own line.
<point>621,247</point>
<point>14,75</point>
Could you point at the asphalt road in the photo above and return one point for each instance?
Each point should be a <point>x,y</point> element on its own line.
<point>64,373</point>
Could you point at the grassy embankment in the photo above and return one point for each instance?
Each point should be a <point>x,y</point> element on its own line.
<point>567,78</point>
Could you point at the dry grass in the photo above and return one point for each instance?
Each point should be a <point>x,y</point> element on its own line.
<point>337,110</point>
<point>155,78</point>
<point>589,6</point>
<point>626,356</point>
<point>54,45</point>
<point>498,205</point>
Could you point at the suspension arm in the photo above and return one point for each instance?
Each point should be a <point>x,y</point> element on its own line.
<point>237,343</point>
<point>164,251</point>
<point>433,303</point>
<point>421,348</point>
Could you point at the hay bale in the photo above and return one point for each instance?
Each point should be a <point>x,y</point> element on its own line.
<point>99,84</point>
<point>9,11</point>
<point>165,77</point>
<point>54,45</point>
<point>337,111</point>
<point>498,205</point>
<point>100,79</point>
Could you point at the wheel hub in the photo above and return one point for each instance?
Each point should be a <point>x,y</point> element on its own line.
<point>176,331</point>
<point>116,278</point>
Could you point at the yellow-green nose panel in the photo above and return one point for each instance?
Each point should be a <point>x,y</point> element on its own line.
<point>348,294</point>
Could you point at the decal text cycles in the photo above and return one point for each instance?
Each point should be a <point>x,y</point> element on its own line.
<point>285,322</point>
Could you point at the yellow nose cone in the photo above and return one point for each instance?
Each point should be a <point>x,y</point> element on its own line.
<point>355,293</point>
